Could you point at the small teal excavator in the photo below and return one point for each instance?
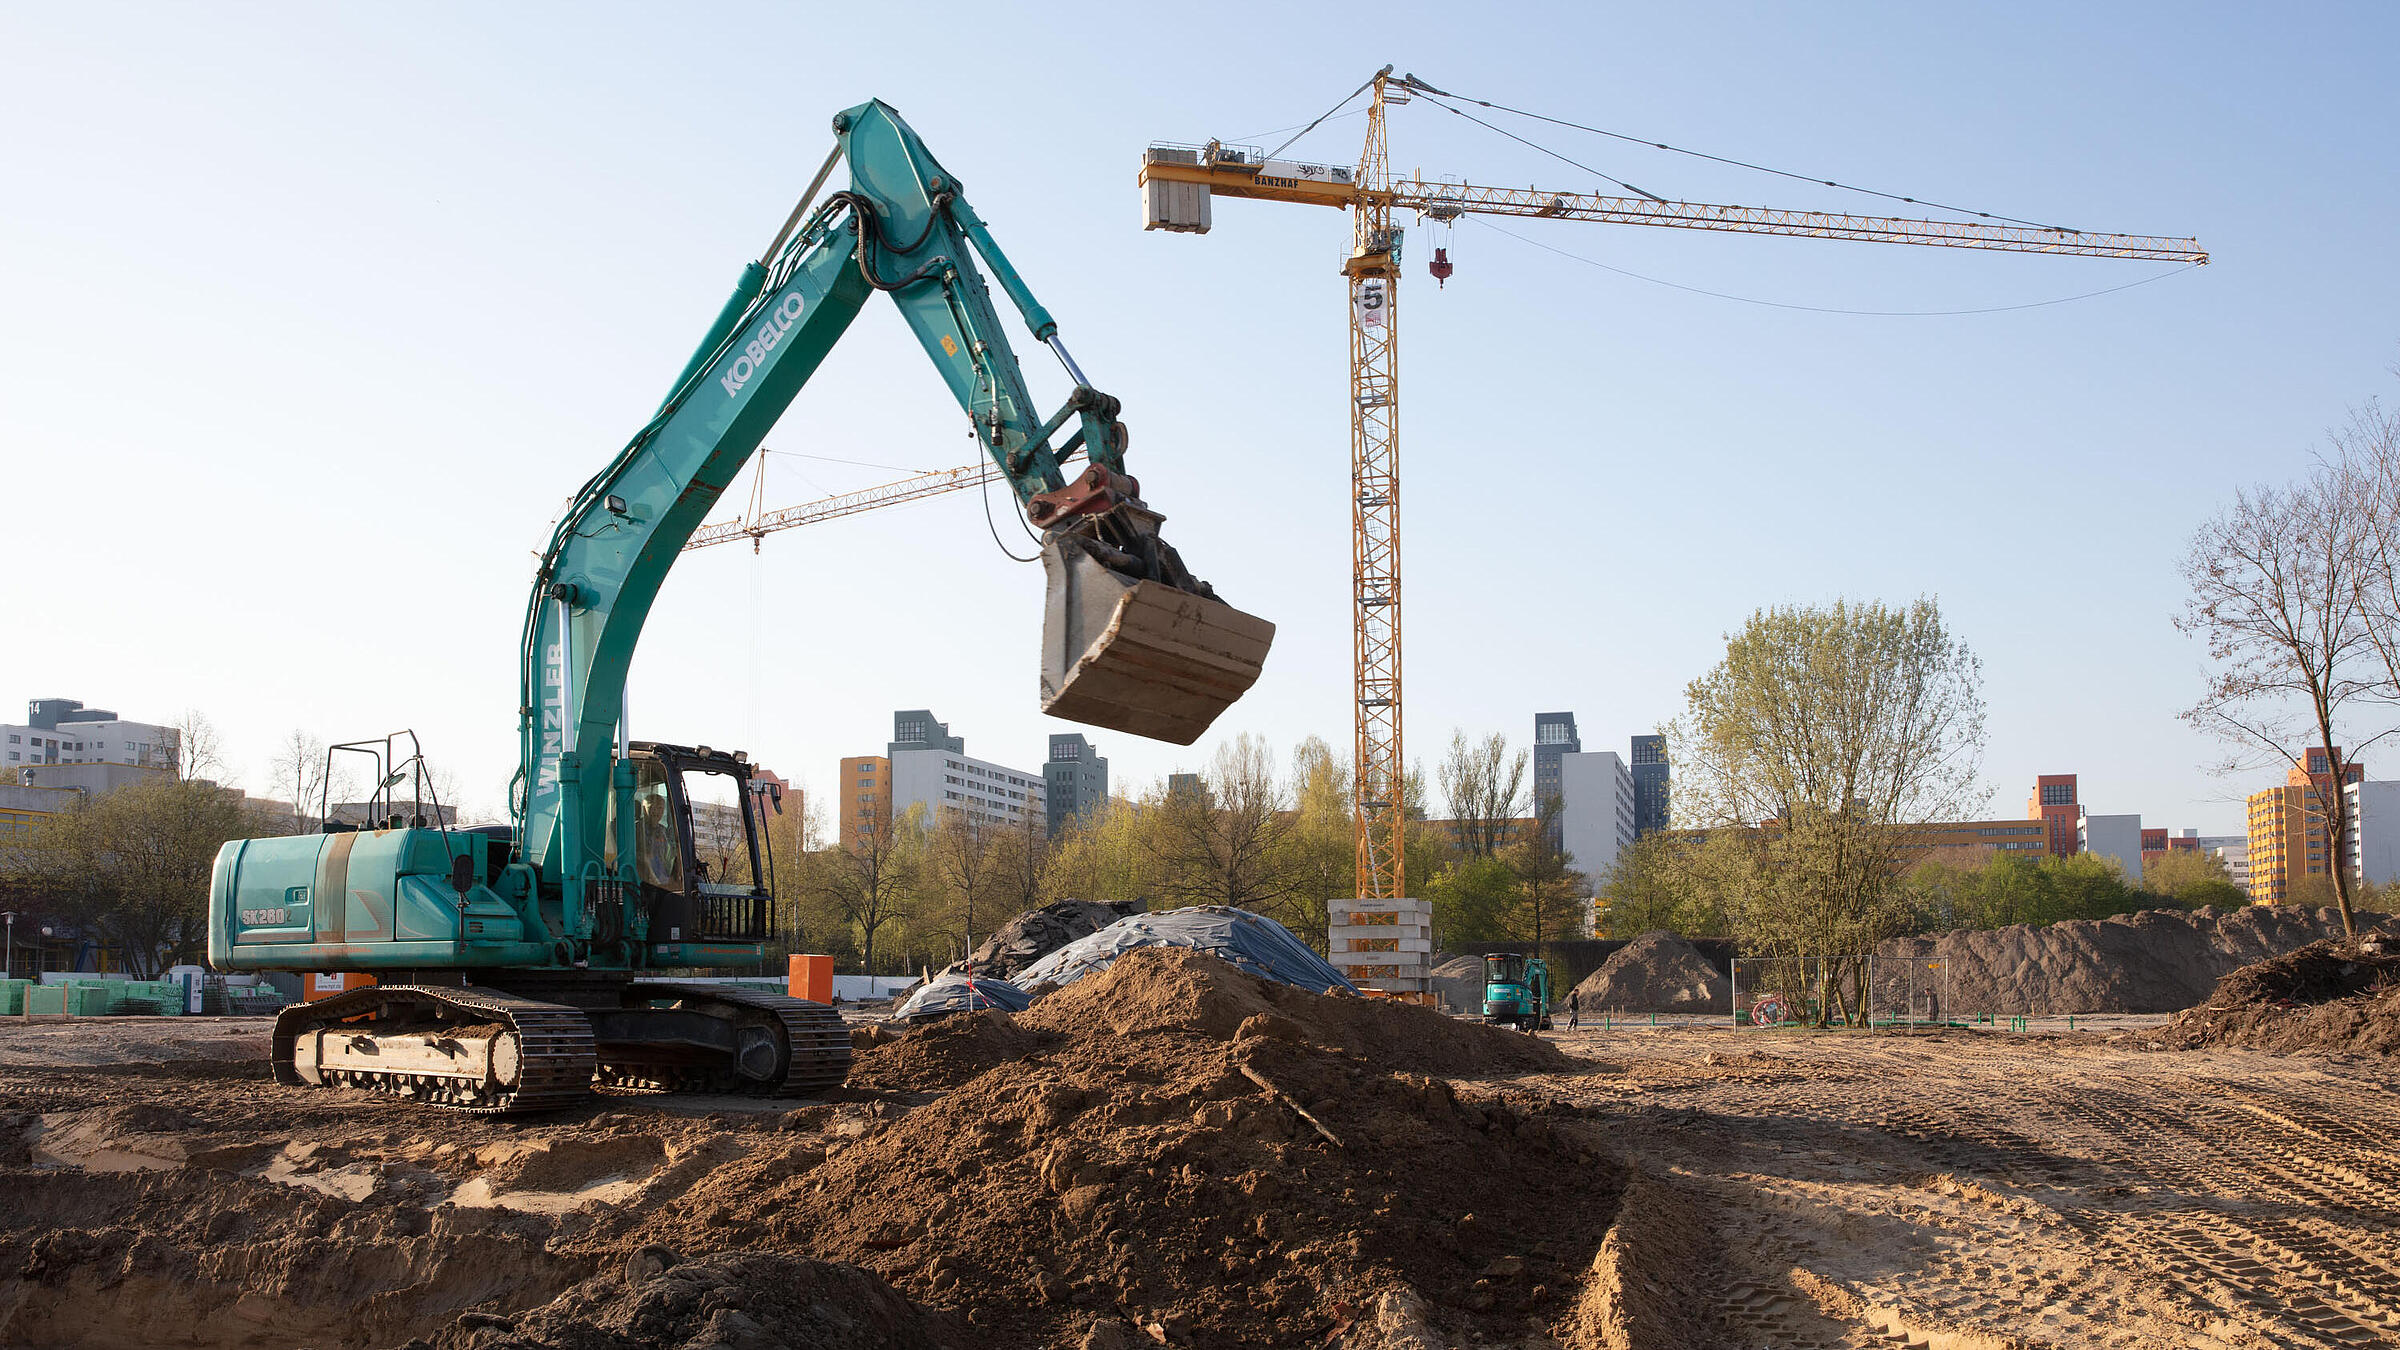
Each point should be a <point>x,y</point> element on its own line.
<point>506,956</point>
<point>1516,991</point>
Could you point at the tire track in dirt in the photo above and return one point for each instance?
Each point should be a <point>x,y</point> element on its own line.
<point>2037,1192</point>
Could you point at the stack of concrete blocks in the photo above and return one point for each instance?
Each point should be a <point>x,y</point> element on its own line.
<point>1385,946</point>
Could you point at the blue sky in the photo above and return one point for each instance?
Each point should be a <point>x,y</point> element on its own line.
<point>311,317</point>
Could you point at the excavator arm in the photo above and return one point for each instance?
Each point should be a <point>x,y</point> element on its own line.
<point>1131,640</point>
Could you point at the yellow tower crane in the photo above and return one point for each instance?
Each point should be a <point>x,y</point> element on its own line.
<point>1178,182</point>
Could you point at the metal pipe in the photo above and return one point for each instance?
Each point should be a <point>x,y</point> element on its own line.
<point>1074,372</point>
<point>791,223</point>
<point>566,679</point>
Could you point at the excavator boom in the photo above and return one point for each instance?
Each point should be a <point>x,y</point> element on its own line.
<point>1161,659</point>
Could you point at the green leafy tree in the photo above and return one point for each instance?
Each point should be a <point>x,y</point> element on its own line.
<point>1549,896</point>
<point>1808,751</point>
<point>1471,899</point>
<point>2184,876</point>
<point>1322,848</point>
<point>1108,856</point>
<point>131,867</point>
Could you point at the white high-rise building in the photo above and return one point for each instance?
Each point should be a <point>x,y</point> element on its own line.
<point>63,731</point>
<point>931,766</point>
<point>2372,843</point>
<point>2118,837</point>
<point>1595,810</point>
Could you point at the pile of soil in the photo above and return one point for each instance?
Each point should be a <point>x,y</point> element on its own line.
<point>744,1300</point>
<point>2157,960</point>
<point>1215,1158</point>
<point>1459,982</point>
<point>1036,933</point>
<point>1657,972</point>
<point>1178,990</point>
<point>2325,998</point>
<point>940,1054</point>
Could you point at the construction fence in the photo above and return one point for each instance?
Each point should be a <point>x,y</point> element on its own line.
<point>1853,991</point>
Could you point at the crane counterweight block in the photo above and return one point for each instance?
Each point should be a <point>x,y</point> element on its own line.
<point>1136,655</point>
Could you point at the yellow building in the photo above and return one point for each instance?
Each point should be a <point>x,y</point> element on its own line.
<point>2028,839</point>
<point>2287,842</point>
<point>23,808</point>
<point>863,798</point>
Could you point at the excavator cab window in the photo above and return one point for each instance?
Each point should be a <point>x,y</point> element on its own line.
<point>725,850</point>
<point>657,831</point>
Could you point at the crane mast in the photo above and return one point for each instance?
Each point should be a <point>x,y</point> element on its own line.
<point>1178,182</point>
<point>1379,822</point>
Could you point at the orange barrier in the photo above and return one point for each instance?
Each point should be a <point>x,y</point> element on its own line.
<point>319,984</point>
<point>811,979</point>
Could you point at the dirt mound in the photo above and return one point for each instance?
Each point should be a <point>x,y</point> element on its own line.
<point>1175,989</point>
<point>1657,972</point>
<point>941,1054</point>
<point>1459,981</point>
<point>1207,1156</point>
<point>2157,960</point>
<point>2321,999</point>
<point>752,1300</point>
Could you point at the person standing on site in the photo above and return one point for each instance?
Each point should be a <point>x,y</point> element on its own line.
<point>1574,1009</point>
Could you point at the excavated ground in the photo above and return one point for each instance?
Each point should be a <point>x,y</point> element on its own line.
<point>1175,1153</point>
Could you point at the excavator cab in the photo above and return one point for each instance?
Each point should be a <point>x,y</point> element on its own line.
<point>700,853</point>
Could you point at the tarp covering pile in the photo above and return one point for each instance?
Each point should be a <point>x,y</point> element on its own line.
<point>949,994</point>
<point>1036,933</point>
<point>1247,941</point>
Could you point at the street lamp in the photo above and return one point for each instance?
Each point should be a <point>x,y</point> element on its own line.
<point>8,969</point>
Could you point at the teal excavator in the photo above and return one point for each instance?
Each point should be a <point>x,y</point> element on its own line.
<point>517,965</point>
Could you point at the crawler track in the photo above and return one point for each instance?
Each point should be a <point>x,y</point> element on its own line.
<point>554,1051</point>
<point>813,1041</point>
<point>559,1060</point>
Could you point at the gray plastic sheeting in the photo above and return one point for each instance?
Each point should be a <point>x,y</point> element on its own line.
<point>1250,942</point>
<point>957,994</point>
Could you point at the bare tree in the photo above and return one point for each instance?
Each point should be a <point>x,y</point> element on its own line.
<point>1226,846</point>
<point>2280,596</point>
<point>1021,864</point>
<point>194,747</point>
<point>297,774</point>
<point>2365,466</point>
<point>965,867</point>
<point>875,882</point>
<point>1484,788</point>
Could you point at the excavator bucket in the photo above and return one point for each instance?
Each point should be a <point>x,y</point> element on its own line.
<point>1141,656</point>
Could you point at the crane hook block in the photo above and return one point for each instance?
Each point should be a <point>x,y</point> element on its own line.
<point>1440,266</point>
